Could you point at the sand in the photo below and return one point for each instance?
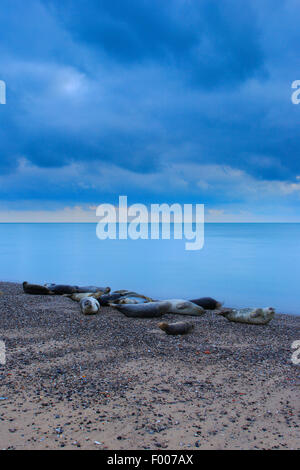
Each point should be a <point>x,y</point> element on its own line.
<point>111,382</point>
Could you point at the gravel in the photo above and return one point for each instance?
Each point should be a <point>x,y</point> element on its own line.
<point>111,382</point>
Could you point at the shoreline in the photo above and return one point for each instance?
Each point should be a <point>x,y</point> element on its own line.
<point>19,283</point>
<point>111,382</point>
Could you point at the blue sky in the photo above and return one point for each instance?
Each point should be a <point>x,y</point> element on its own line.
<point>175,101</point>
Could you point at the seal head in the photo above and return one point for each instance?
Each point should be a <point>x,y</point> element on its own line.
<point>89,306</point>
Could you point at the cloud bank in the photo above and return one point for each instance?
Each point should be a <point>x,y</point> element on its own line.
<point>174,101</point>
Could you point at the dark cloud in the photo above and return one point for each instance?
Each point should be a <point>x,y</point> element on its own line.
<point>145,85</point>
<point>211,43</point>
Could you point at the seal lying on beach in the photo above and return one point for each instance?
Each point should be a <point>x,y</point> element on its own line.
<point>77,297</point>
<point>93,289</point>
<point>115,298</point>
<point>89,306</point>
<point>258,316</point>
<point>128,293</point>
<point>184,307</point>
<point>121,292</point>
<point>35,289</point>
<point>106,299</point>
<point>145,310</point>
<point>179,328</point>
<point>61,289</point>
<point>127,300</point>
<point>207,303</point>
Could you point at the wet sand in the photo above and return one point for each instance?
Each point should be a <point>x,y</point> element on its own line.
<point>111,382</point>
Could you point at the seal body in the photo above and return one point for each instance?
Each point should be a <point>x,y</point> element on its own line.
<point>106,299</point>
<point>61,289</point>
<point>207,303</point>
<point>127,300</point>
<point>122,297</point>
<point>258,316</point>
<point>184,307</point>
<point>89,306</point>
<point>128,293</point>
<point>179,328</point>
<point>77,297</point>
<point>145,310</point>
<point>35,289</point>
<point>93,289</point>
<point>121,291</point>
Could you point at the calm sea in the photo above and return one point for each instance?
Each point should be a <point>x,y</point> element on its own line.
<point>241,264</point>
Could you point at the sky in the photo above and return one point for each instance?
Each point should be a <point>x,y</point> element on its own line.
<point>178,101</point>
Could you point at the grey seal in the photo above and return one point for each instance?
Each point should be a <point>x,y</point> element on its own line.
<point>128,293</point>
<point>62,289</point>
<point>93,289</point>
<point>89,306</point>
<point>207,303</point>
<point>257,316</point>
<point>106,299</point>
<point>35,289</point>
<point>145,310</point>
<point>179,328</point>
<point>184,307</point>
<point>127,300</point>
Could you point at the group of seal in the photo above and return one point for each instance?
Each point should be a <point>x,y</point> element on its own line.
<point>61,289</point>
<point>134,305</point>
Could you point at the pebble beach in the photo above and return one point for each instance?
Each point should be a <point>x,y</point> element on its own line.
<point>111,382</point>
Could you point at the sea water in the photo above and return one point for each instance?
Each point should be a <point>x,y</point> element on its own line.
<point>243,265</point>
